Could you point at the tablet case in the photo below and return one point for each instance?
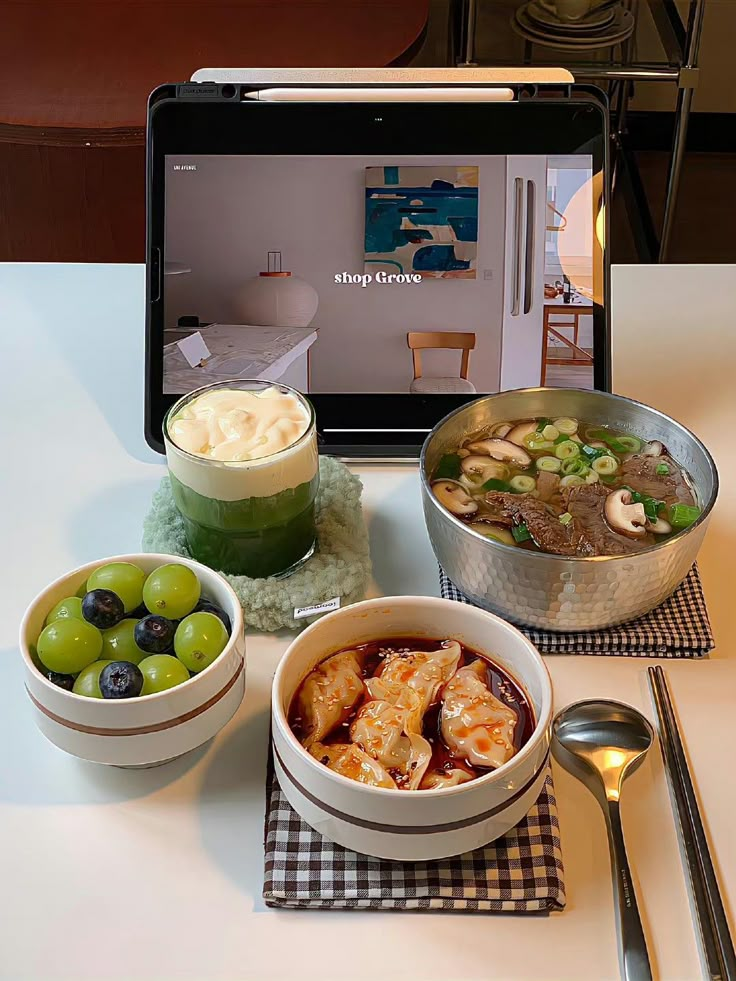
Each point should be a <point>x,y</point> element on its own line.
<point>519,83</point>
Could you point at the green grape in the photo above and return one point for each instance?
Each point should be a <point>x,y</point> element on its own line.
<point>68,645</point>
<point>88,680</point>
<point>118,643</point>
<point>161,671</point>
<point>122,578</point>
<point>36,659</point>
<point>71,607</point>
<point>199,640</point>
<point>172,591</point>
<point>82,591</point>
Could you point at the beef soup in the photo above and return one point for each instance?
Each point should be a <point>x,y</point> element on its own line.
<point>411,714</point>
<point>567,487</point>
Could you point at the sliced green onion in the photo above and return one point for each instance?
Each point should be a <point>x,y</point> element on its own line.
<point>547,445</point>
<point>566,425</point>
<point>533,441</point>
<point>572,480</point>
<point>522,484</point>
<point>541,424</point>
<point>495,484</point>
<point>619,444</point>
<point>592,477</point>
<point>683,515</point>
<point>549,463</point>
<point>592,452</point>
<point>551,432</point>
<point>577,465</point>
<point>662,469</point>
<point>652,507</point>
<point>448,468</point>
<point>602,435</point>
<point>567,450</point>
<point>562,438</point>
<point>521,533</point>
<point>627,444</point>
<point>605,465</point>
<point>565,518</point>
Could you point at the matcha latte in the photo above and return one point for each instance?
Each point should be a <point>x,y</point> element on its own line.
<point>244,471</point>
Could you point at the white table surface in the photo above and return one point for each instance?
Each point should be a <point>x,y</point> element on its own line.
<point>106,873</point>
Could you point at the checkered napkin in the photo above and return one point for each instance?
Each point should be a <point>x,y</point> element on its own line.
<point>519,873</point>
<point>677,628</point>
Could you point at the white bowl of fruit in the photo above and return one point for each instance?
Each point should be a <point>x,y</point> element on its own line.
<point>134,660</point>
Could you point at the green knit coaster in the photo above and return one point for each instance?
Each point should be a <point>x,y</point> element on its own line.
<point>340,567</point>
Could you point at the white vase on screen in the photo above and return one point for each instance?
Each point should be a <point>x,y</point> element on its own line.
<point>276,298</point>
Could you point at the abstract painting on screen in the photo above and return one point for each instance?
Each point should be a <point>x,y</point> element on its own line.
<point>422,220</point>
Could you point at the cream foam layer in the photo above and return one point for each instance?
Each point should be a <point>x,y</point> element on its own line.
<point>235,425</point>
<point>239,444</point>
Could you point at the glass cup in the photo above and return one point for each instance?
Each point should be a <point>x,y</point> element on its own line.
<point>253,518</point>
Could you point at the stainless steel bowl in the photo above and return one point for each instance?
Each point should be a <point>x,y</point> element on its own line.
<point>550,591</point>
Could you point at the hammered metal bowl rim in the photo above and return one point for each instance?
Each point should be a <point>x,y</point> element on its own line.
<point>504,549</point>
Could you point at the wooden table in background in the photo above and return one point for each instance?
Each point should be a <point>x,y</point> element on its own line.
<point>76,75</point>
<point>574,311</point>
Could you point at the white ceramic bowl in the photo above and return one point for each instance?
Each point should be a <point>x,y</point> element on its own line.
<point>149,729</point>
<point>412,825</point>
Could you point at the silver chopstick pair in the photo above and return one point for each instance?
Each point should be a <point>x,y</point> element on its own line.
<point>715,936</point>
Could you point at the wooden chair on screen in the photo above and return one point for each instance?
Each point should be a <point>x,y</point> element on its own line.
<point>451,340</point>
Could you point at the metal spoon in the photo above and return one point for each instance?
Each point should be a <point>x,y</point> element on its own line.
<point>601,742</point>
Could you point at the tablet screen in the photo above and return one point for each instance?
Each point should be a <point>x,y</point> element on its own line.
<point>423,274</point>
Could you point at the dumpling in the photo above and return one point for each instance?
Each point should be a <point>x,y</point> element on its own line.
<point>475,725</point>
<point>329,694</point>
<point>444,778</point>
<point>385,733</point>
<point>425,672</point>
<point>401,697</point>
<point>352,762</point>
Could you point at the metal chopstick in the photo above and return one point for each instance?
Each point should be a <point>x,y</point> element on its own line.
<point>712,920</point>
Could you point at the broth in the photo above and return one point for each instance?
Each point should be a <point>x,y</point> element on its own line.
<point>567,487</point>
<point>443,759</point>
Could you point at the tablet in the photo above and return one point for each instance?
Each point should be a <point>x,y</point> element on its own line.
<point>390,259</point>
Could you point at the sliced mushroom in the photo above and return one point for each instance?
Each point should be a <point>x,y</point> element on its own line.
<point>497,532</point>
<point>484,467</point>
<point>502,429</point>
<point>454,497</point>
<point>659,527</point>
<point>624,516</point>
<point>522,429</point>
<point>502,449</point>
<point>654,448</point>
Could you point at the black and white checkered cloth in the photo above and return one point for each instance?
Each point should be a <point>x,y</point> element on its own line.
<point>519,873</point>
<point>677,628</point>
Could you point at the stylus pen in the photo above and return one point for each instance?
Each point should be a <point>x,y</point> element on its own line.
<point>448,94</point>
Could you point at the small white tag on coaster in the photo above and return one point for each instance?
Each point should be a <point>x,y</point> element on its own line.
<point>302,612</point>
<point>194,349</point>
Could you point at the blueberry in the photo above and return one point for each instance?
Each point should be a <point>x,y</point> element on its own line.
<point>207,606</point>
<point>121,679</point>
<point>65,681</point>
<point>102,608</point>
<point>154,634</point>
